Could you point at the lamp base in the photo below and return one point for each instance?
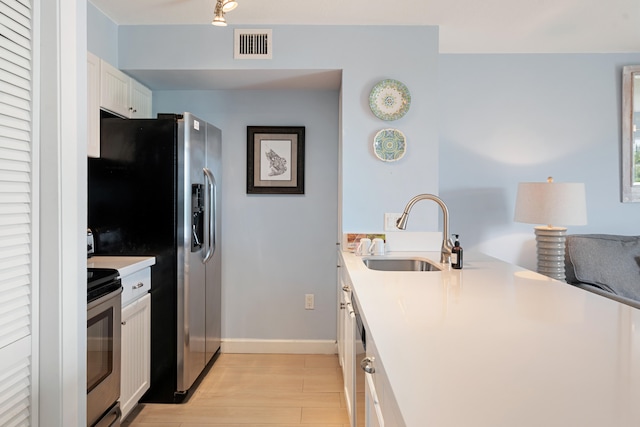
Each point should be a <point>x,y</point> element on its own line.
<point>550,243</point>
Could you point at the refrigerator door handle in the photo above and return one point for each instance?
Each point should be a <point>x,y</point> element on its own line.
<point>211,215</point>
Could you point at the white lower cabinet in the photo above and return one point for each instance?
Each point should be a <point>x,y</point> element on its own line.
<point>372,410</point>
<point>136,352</point>
<point>340,319</point>
<point>380,407</point>
<point>349,368</point>
<point>346,343</point>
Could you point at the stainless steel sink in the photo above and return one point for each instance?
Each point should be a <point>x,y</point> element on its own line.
<point>400,264</point>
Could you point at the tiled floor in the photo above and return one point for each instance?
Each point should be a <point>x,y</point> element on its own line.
<point>257,390</point>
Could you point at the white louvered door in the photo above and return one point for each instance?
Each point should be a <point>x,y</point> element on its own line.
<point>15,212</point>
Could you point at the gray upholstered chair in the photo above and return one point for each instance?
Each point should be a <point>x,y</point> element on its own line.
<point>605,264</point>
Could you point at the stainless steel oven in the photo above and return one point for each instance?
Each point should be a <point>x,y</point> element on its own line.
<point>104,291</point>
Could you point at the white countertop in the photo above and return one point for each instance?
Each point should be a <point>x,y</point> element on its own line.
<point>125,265</point>
<point>496,345</point>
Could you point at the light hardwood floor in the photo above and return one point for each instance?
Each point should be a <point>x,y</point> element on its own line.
<point>257,390</point>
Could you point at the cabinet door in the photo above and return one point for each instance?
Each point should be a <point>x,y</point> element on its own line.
<point>339,337</point>
<point>349,367</point>
<point>342,307</point>
<point>93,105</point>
<point>141,99</point>
<point>114,89</point>
<point>372,407</point>
<point>380,405</point>
<point>373,386</point>
<point>343,292</point>
<point>136,353</point>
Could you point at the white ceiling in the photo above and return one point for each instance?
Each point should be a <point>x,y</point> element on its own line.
<point>466,26</point>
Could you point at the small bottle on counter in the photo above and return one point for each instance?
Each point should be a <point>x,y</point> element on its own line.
<point>456,253</point>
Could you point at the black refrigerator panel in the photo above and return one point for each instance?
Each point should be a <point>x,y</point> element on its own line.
<point>133,209</point>
<point>132,198</point>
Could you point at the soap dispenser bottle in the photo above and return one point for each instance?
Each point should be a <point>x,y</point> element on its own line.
<point>456,253</point>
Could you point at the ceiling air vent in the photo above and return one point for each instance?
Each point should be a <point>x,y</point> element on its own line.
<point>252,44</point>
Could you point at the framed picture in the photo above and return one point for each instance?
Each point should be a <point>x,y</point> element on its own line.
<point>275,159</point>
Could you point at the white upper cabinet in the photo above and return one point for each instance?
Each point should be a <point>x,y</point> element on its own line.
<point>140,97</point>
<point>93,105</point>
<point>122,95</point>
<point>112,90</point>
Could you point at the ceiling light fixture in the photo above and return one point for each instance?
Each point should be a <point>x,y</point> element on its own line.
<point>218,18</point>
<point>223,6</point>
<point>229,5</point>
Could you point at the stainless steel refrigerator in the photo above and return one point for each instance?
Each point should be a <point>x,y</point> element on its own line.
<point>155,190</point>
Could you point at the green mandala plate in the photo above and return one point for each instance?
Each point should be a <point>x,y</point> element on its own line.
<point>389,100</point>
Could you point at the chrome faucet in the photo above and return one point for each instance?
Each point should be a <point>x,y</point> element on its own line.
<point>447,245</point>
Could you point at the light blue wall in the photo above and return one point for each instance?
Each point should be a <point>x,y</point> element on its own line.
<point>276,248</point>
<point>478,125</point>
<point>511,118</point>
<point>366,55</point>
<point>102,35</point>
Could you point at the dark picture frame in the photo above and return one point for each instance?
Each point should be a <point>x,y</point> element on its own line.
<point>275,159</point>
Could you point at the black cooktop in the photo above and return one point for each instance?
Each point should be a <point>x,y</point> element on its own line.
<point>101,281</point>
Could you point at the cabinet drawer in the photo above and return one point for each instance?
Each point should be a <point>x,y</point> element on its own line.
<point>135,285</point>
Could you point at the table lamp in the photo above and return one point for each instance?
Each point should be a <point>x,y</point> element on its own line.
<point>557,205</point>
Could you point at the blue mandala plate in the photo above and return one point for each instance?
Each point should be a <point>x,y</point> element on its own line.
<point>389,145</point>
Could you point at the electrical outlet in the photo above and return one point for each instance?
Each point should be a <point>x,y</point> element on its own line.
<point>308,302</point>
<point>390,221</point>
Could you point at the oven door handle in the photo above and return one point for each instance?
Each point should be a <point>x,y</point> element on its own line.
<point>112,419</point>
<point>211,214</point>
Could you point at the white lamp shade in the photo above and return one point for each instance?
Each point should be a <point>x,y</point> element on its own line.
<point>551,203</point>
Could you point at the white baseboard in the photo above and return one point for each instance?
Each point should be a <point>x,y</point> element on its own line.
<point>230,345</point>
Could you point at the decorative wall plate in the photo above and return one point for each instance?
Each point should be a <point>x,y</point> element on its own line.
<point>389,145</point>
<point>389,99</point>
